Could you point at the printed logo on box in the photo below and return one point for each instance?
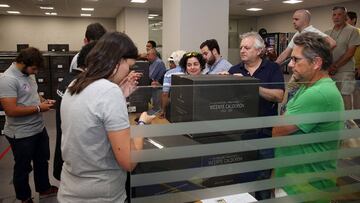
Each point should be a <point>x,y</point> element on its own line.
<point>131,109</point>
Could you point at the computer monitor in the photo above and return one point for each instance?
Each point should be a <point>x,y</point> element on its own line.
<point>58,47</point>
<point>20,47</point>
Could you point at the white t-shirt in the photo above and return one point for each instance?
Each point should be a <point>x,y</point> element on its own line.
<point>74,63</point>
<point>90,172</point>
<point>309,28</point>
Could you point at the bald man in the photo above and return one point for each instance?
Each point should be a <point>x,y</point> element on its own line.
<point>301,22</point>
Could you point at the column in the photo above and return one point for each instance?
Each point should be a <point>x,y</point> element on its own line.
<point>187,23</point>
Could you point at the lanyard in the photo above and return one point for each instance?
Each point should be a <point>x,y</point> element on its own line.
<point>213,66</point>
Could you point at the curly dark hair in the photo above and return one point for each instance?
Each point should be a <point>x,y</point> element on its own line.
<point>188,55</point>
<point>315,45</point>
<point>30,57</point>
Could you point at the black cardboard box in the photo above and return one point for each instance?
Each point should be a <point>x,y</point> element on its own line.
<point>197,98</point>
<point>213,97</point>
<point>139,100</point>
<point>195,162</point>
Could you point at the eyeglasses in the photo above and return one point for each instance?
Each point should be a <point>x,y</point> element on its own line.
<point>296,59</point>
<point>192,54</point>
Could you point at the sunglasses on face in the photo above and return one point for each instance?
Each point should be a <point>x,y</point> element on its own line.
<point>192,54</point>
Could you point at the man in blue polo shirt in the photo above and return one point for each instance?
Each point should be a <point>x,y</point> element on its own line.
<point>271,90</point>
<point>157,71</point>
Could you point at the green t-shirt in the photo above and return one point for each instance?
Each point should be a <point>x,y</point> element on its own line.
<point>322,96</point>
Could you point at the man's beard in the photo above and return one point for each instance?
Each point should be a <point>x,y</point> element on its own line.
<point>23,71</point>
<point>211,60</point>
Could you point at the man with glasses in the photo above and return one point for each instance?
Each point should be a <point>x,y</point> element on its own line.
<point>310,60</point>
<point>347,39</point>
<point>24,128</point>
<point>215,64</point>
<point>301,21</point>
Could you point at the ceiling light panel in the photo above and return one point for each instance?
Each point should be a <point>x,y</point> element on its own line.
<point>254,9</point>
<point>138,1</point>
<point>13,12</point>
<point>85,14</point>
<point>4,6</point>
<point>87,9</point>
<point>51,14</point>
<point>46,7</point>
<point>292,1</point>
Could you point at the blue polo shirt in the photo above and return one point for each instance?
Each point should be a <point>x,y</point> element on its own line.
<point>271,77</point>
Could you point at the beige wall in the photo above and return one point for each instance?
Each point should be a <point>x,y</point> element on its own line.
<point>40,31</point>
<point>320,18</point>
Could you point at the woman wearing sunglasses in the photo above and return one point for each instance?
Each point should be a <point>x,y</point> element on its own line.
<point>192,63</point>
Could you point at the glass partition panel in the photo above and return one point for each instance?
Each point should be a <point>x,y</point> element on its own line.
<point>224,140</point>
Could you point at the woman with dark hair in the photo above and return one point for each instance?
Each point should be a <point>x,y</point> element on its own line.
<point>96,139</point>
<point>192,63</point>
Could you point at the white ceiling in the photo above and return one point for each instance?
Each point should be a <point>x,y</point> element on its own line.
<point>110,8</point>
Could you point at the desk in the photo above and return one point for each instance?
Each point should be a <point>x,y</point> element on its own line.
<point>243,198</point>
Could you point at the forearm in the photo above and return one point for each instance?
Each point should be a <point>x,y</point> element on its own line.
<point>164,101</point>
<point>344,58</point>
<point>342,61</point>
<point>284,130</point>
<point>331,42</point>
<point>281,58</point>
<point>136,144</point>
<point>20,111</point>
<point>274,95</point>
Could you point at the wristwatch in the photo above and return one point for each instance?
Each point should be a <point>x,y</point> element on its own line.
<point>141,123</point>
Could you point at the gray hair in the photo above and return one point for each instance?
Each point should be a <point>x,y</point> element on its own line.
<point>315,45</point>
<point>259,42</point>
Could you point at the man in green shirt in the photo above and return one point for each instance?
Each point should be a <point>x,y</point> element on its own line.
<point>310,59</point>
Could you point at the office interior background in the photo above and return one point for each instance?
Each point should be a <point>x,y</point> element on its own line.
<point>32,26</point>
<point>67,21</point>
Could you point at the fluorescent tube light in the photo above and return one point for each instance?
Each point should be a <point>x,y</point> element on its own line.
<point>138,1</point>
<point>46,7</point>
<point>254,9</point>
<point>292,1</point>
<point>13,12</point>
<point>87,9</point>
